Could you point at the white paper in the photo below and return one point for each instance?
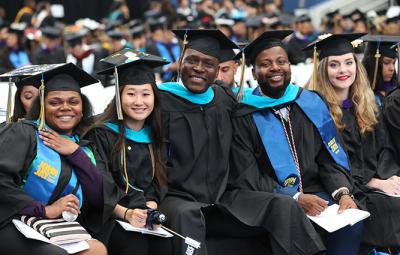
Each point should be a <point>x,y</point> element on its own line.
<point>30,233</point>
<point>331,221</point>
<point>157,232</point>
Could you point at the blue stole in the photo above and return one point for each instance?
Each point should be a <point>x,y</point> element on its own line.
<point>275,143</point>
<point>141,136</point>
<point>175,50</point>
<point>19,58</point>
<point>181,91</point>
<point>44,173</point>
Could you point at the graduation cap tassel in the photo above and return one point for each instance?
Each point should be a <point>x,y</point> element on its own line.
<point>239,95</point>
<point>117,96</point>
<point>377,56</point>
<point>9,102</point>
<point>42,120</point>
<point>184,46</point>
<point>315,59</point>
<point>192,245</point>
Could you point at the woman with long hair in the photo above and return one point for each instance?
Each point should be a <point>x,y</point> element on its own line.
<point>342,80</point>
<point>45,169</point>
<point>128,137</point>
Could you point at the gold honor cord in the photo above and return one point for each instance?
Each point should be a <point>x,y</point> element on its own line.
<point>315,59</point>
<point>124,166</point>
<point>377,56</point>
<point>117,96</point>
<point>9,101</point>
<point>153,164</point>
<point>184,46</point>
<point>42,117</point>
<point>239,95</point>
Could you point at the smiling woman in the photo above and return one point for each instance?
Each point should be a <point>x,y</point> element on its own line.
<point>71,182</point>
<point>131,148</point>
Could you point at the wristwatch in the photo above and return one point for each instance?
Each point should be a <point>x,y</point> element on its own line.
<point>343,192</point>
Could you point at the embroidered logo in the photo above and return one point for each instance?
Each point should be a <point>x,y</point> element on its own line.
<point>333,146</point>
<point>46,172</point>
<point>290,181</point>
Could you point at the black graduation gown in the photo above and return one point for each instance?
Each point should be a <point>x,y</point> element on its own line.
<point>372,155</point>
<point>54,56</point>
<point>252,180</point>
<point>198,141</point>
<point>139,171</point>
<point>17,151</point>
<point>391,111</point>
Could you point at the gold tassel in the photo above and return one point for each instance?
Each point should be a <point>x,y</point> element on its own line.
<point>9,102</point>
<point>239,95</point>
<point>377,56</point>
<point>315,55</point>
<point>42,117</point>
<point>118,96</point>
<point>184,46</point>
<point>124,166</point>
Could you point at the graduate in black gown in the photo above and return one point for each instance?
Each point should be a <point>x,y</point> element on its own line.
<point>197,125</point>
<point>45,169</point>
<point>343,82</point>
<point>281,144</point>
<point>384,79</point>
<point>391,110</point>
<point>24,95</point>
<point>135,171</point>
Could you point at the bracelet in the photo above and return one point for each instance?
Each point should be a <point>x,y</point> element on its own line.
<point>127,209</point>
<point>343,193</point>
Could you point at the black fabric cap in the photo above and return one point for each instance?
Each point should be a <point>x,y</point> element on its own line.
<point>61,77</point>
<point>384,42</point>
<point>302,18</point>
<point>333,13</point>
<point>334,45</point>
<point>134,67</point>
<point>137,31</point>
<point>226,55</point>
<point>266,40</point>
<point>115,34</point>
<point>23,72</point>
<point>74,38</point>
<point>206,41</point>
<point>51,32</point>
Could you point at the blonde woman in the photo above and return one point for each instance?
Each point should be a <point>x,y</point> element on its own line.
<point>342,80</point>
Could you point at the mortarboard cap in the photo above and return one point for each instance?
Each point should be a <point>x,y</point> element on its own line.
<point>302,18</point>
<point>383,42</point>
<point>75,37</point>
<point>116,34</point>
<point>137,31</point>
<point>334,45</point>
<point>51,32</point>
<point>266,40</point>
<point>332,14</point>
<point>131,67</point>
<point>58,77</point>
<point>206,41</point>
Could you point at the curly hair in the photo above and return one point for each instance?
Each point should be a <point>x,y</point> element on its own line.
<point>361,94</point>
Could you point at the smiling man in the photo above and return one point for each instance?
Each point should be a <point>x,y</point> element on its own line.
<point>196,118</point>
<point>285,142</point>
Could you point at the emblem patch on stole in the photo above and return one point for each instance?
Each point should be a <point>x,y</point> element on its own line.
<point>333,146</point>
<point>46,172</point>
<point>290,181</point>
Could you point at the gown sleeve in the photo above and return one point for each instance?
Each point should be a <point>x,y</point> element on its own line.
<point>17,150</point>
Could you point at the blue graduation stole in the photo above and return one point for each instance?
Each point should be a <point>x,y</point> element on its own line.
<point>274,139</point>
<point>175,50</point>
<point>44,173</point>
<point>141,136</point>
<point>180,91</point>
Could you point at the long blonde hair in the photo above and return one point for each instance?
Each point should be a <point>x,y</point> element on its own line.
<point>360,93</point>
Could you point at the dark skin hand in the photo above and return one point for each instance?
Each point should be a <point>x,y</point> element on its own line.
<point>312,204</point>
